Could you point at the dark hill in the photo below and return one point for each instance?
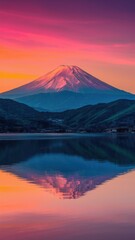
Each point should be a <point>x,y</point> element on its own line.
<point>17,117</point>
<point>100,116</point>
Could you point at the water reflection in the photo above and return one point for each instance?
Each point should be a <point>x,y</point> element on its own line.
<point>39,179</point>
<point>69,167</point>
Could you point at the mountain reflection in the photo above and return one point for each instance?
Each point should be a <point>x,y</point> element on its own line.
<point>69,167</point>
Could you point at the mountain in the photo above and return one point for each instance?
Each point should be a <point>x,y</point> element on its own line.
<point>65,100</point>
<point>19,117</point>
<point>98,117</point>
<point>63,78</point>
<point>66,87</point>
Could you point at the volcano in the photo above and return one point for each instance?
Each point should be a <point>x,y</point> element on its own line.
<point>63,78</point>
<point>64,88</point>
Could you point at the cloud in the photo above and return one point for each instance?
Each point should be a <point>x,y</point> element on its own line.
<point>35,33</point>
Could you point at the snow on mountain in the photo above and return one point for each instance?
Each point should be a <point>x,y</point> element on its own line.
<point>66,87</point>
<point>69,78</point>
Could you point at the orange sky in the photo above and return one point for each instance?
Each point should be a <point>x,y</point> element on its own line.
<point>35,39</point>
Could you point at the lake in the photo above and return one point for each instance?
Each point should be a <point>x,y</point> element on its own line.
<point>68,186</point>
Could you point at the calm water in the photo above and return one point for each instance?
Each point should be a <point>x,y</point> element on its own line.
<point>69,187</point>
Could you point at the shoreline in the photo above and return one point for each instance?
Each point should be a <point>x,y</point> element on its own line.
<point>41,136</point>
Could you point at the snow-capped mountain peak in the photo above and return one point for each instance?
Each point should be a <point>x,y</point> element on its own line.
<point>66,87</point>
<point>63,78</point>
<point>70,78</point>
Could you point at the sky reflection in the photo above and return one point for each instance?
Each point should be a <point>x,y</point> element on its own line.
<point>58,192</point>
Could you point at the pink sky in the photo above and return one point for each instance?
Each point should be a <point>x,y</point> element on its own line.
<point>36,38</point>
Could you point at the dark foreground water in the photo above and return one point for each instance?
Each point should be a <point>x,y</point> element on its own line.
<point>69,187</point>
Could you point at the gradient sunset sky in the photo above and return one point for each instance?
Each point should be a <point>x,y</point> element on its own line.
<point>38,35</point>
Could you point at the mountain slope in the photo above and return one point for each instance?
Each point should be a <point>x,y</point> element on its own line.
<point>63,78</point>
<point>65,100</point>
<point>66,87</point>
<point>19,117</point>
<point>15,116</point>
<point>99,116</point>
